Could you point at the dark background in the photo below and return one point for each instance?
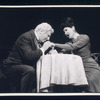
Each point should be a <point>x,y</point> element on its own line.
<point>49,2</point>
<point>15,21</point>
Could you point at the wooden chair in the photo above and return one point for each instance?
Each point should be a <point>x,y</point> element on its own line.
<point>96,57</point>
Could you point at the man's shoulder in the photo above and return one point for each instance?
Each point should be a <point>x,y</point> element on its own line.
<point>27,34</point>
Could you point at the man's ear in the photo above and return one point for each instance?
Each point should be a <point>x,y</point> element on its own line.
<point>41,31</point>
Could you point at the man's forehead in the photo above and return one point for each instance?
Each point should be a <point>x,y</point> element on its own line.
<point>49,32</point>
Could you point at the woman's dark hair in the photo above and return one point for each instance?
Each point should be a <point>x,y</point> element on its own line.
<point>67,22</point>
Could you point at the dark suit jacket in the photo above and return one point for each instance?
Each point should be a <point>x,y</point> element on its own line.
<point>25,50</point>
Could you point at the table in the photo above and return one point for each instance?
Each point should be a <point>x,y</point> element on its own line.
<point>60,69</point>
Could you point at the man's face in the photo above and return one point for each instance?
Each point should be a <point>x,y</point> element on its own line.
<point>69,32</point>
<point>45,36</point>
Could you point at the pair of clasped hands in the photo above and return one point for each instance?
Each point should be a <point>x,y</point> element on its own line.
<point>48,45</point>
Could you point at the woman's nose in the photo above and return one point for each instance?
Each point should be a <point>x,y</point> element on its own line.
<point>48,38</point>
<point>66,33</point>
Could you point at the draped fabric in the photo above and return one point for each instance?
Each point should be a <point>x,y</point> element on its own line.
<point>60,69</point>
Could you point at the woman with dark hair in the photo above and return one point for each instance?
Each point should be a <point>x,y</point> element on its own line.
<point>80,45</point>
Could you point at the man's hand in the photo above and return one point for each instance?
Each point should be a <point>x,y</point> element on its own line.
<point>47,45</point>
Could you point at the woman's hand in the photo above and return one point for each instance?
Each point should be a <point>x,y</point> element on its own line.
<point>53,51</point>
<point>53,44</point>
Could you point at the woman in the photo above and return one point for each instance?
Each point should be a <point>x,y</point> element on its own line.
<point>80,45</point>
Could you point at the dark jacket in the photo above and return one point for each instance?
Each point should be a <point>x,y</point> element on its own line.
<point>24,51</point>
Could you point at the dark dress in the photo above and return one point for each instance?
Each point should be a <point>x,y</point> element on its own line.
<point>81,47</point>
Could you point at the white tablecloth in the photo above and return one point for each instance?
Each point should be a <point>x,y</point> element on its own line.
<point>60,69</point>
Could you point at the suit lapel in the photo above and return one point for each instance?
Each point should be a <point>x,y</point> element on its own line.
<point>34,39</point>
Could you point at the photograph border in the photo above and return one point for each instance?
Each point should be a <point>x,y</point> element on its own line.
<point>49,94</point>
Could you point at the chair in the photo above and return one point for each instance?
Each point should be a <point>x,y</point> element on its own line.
<point>96,57</point>
<point>6,84</point>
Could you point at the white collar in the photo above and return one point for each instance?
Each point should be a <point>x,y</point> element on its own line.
<point>36,35</point>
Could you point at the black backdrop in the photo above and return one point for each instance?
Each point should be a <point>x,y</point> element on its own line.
<point>15,21</point>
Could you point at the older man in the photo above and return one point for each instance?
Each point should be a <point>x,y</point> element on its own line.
<point>21,62</point>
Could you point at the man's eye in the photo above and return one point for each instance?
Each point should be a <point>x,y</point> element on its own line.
<point>65,30</point>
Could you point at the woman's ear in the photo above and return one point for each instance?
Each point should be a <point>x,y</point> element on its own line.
<point>73,28</point>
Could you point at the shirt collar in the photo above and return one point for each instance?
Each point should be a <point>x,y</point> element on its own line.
<point>36,35</point>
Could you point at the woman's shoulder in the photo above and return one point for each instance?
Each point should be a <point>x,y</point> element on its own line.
<point>84,36</point>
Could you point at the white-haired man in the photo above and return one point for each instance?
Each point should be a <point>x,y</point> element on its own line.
<point>21,61</point>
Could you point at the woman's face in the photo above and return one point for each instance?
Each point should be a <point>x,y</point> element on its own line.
<point>69,32</point>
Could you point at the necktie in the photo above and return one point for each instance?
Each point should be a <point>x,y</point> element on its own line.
<point>39,44</point>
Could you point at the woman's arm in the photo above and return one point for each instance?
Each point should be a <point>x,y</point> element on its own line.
<point>80,42</point>
<point>67,47</point>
